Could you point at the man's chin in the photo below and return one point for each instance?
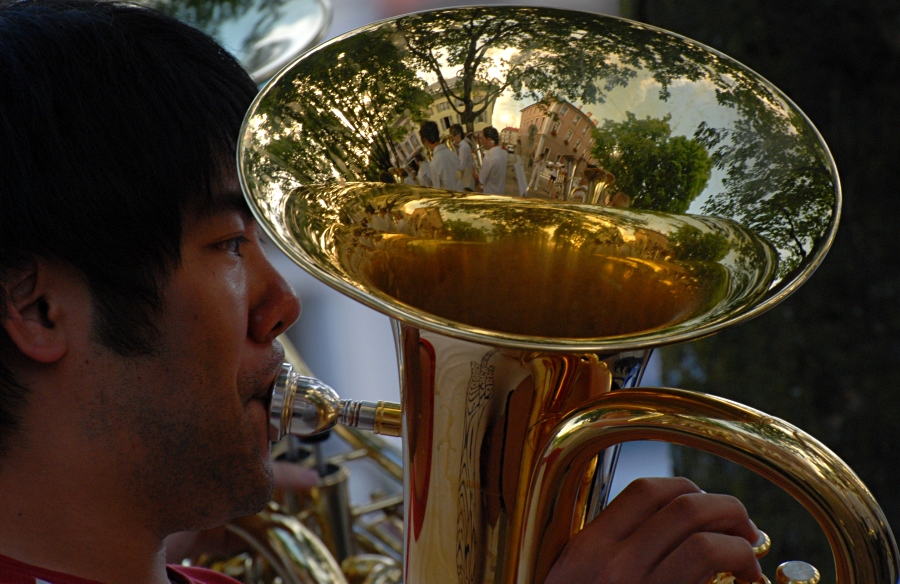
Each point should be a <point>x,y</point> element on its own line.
<point>258,486</point>
<point>258,500</point>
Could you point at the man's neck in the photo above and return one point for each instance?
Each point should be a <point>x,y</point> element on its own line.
<point>63,511</point>
<point>66,532</point>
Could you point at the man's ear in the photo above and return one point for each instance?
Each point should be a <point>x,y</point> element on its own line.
<point>34,307</point>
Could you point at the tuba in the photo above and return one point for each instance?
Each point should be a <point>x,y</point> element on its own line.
<point>523,325</point>
<point>263,35</point>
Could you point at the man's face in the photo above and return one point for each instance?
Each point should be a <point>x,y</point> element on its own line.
<point>192,433</point>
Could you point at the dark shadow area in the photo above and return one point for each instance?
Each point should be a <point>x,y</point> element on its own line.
<point>827,358</point>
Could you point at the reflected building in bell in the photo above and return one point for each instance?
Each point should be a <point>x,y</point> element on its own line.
<point>557,129</point>
<point>445,110</point>
<point>508,137</point>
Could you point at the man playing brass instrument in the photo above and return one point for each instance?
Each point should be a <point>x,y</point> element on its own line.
<point>444,163</point>
<point>140,314</point>
<point>464,151</point>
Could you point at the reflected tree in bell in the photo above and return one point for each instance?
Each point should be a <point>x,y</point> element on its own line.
<point>478,54</point>
<point>340,112</point>
<point>657,170</point>
<point>777,180</point>
<point>210,15</point>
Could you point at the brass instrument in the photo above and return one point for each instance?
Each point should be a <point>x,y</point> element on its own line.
<point>317,536</point>
<point>263,35</point>
<point>522,325</point>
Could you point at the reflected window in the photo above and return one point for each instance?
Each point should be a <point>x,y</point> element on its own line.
<point>568,135</point>
<point>563,110</point>
<point>554,128</point>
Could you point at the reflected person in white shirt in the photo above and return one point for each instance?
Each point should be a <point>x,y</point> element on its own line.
<point>464,151</point>
<point>492,175</point>
<point>444,162</point>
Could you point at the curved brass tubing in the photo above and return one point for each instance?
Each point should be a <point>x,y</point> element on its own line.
<point>283,550</point>
<point>864,549</point>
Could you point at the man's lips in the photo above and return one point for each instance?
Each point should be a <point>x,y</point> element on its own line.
<point>264,398</point>
<point>264,392</point>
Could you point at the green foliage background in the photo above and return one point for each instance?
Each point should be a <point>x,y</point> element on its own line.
<point>658,171</point>
<point>828,358</point>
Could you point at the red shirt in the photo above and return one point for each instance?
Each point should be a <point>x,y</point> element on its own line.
<point>16,572</point>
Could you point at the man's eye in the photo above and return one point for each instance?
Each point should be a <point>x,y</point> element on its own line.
<point>234,244</point>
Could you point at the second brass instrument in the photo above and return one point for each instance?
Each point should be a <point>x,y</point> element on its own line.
<point>521,324</point>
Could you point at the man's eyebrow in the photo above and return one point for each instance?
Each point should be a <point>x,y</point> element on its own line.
<point>230,204</point>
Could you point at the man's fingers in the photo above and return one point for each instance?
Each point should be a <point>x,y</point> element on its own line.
<point>639,501</point>
<point>694,513</point>
<point>662,530</point>
<point>703,555</point>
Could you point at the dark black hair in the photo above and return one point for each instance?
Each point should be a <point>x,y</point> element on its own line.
<point>457,130</point>
<point>491,132</point>
<point>114,121</point>
<point>429,131</point>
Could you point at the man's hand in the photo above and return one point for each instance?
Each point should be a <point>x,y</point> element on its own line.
<point>661,531</point>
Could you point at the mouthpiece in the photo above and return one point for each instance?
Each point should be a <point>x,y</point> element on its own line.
<point>305,406</point>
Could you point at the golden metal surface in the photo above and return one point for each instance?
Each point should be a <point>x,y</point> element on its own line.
<point>763,545</point>
<point>263,35</point>
<point>283,548</point>
<point>864,548</point>
<point>374,447</point>
<point>388,419</point>
<point>518,320</point>
<point>371,569</point>
<point>730,245</point>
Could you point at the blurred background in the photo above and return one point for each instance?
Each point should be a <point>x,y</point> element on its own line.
<point>824,360</point>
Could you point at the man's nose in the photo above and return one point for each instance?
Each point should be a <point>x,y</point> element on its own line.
<point>276,309</point>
